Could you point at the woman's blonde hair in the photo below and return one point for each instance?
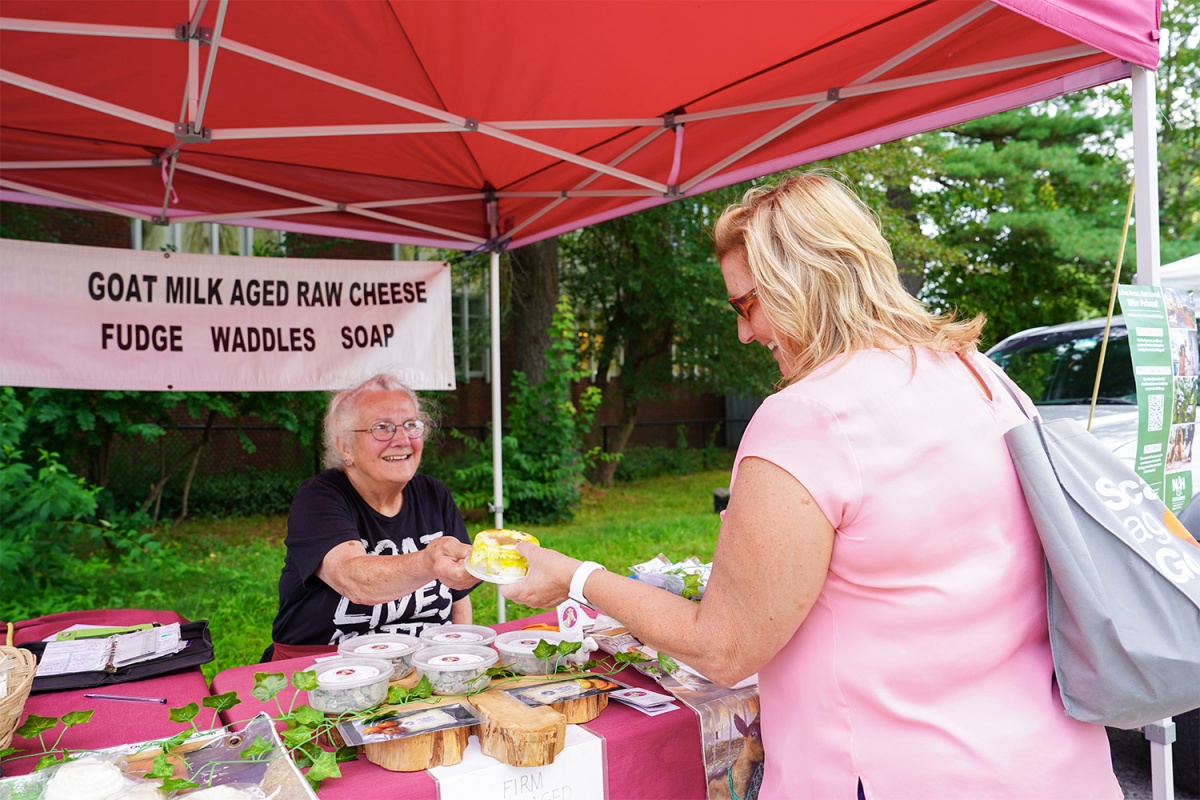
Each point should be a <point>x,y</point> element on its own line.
<point>343,405</point>
<point>825,276</point>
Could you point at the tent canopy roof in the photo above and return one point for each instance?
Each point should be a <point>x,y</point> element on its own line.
<point>399,121</point>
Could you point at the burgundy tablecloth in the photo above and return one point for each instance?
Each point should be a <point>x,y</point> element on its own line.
<point>114,722</point>
<point>648,757</point>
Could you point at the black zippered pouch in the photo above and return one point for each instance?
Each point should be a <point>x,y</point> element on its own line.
<point>199,650</point>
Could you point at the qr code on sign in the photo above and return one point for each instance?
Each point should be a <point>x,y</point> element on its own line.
<point>1155,408</point>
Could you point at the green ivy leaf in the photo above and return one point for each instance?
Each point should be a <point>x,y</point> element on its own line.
<point>398,695</point>
<point>301,757</point>
<point>269,684</point>
<point>565,648</point>
<point>324,766</point>
<point>161,767</point>
<point>77,717</point>
<point>259,749</point>
<point>545,649</point>
<point>307,715</point>
<point>184,713</point>
<point>630,658</point>
<point>667,664</point>
<point>298,737</point>
<point>34,725</point>
<point>170,744</point>
<point>305,681</point>
<point>345,753</point>
<point>8,751</point>
<point>176,784</point>
<point>221,702</point>
<point>500,672</point>
<point>48,761</point>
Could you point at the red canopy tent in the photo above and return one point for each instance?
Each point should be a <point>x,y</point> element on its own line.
<point>493,124</point>
<point>487,125</point>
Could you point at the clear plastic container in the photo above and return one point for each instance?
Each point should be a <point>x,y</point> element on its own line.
<point>458,634</point>
<point>516,651</point>
<point>455,668</point>
<point>397,648</point>
<point>350,684</point>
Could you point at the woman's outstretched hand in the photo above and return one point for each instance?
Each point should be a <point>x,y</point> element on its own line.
<point>446,558</point>
<point>548,581</point>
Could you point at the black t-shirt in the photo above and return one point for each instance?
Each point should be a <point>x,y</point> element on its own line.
<point>327,511</point>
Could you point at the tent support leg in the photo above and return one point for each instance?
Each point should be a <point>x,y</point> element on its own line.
<point>1145,203</point>
<point>1145,170</point>
<point>497,468</point>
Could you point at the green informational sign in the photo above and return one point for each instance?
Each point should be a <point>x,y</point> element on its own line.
<point>1162,343</point>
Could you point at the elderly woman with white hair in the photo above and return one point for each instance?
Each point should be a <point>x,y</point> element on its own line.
<point>373,546</point>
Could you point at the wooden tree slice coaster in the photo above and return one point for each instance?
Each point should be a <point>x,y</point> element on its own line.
<point>517,734</point>
<point>422,751</point>
<point>576,710</point>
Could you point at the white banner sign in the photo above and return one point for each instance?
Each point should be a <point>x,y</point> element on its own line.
<point>102,318</point>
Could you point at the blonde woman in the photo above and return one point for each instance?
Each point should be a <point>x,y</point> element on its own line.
<point>877,565</point>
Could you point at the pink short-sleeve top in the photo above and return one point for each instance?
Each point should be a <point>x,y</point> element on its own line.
<point>924,667</point>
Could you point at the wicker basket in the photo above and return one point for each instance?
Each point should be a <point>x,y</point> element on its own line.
<point>20,681</point>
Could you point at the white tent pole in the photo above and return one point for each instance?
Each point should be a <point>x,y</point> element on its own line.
<point>497,505</point>
<point>1145,172</point>
<point>1145,202</point>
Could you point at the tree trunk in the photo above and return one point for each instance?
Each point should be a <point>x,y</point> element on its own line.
<point>534,297</point>
<point>205,438</point>
<point>165,474</point>
<point>605,470</point>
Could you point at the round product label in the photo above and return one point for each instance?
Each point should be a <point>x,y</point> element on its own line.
<point>457,638</point>
<point>380,647</point>
<point>348,674</point>
<point>523,644</point>
<point>455,660</point>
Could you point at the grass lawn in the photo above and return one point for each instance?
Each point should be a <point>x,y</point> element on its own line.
<point>226,570</point>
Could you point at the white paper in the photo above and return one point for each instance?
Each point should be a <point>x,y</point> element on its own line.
<point>145,645</point>
<point>85,655</point>
<point>654,711</point>
<point>97,655</point>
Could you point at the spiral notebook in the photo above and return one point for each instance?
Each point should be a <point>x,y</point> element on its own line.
<point>110,654</point>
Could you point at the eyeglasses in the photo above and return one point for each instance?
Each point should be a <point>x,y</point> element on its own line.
<point>743,304</point>
<point>386,431</point>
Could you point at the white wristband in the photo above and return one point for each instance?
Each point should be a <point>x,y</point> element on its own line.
<point>580,578</point>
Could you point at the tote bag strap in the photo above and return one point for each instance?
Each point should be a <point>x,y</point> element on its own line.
<point>1005,381</point>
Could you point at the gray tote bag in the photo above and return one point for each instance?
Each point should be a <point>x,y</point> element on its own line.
<point>1123,579</point>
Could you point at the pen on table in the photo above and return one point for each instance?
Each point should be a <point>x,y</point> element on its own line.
<point>126,697</point>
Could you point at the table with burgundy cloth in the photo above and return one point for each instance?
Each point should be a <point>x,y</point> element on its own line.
<point>114,722</point>
<point>647,756</point>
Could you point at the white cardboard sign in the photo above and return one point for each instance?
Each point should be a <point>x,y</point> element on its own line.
<point>103,318</point>
<point>576,774</point>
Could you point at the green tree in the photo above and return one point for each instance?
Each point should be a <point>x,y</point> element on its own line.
<point>1178,105</point>
<point>652,308</point>
<point>1031,201</point>
<point>543,452</point>
<point>85,426</point>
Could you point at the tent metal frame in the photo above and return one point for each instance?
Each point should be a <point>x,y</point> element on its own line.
<point>643,191</point>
